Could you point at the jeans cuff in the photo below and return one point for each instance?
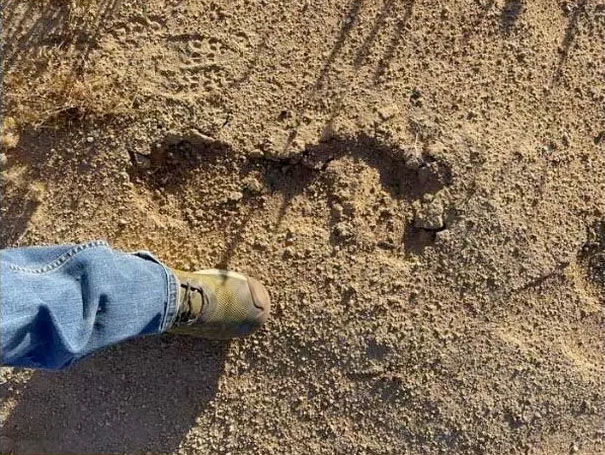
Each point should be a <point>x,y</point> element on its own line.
<point>172,293</point>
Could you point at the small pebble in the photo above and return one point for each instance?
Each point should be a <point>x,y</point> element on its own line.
<point>429,215</point>
<point>254,186</point>
<point>388,111</point>
<point>235,196</point>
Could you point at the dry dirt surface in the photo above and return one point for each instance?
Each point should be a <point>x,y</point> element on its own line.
<point>420,184</point>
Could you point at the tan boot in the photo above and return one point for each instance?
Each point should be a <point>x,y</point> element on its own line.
<point>218,304</point>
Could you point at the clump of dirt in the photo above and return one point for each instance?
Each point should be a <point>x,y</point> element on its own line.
<point>593,253</point>
<point>420,185</point>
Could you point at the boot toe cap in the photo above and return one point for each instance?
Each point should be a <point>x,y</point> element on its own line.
<point>260,298</point>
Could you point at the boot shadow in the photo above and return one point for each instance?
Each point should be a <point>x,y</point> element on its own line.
<point>139,397</point>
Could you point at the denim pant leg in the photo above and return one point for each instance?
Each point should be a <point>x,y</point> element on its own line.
<point>61,303</point>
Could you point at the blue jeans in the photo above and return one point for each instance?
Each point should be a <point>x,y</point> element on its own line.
<point>59,304</point>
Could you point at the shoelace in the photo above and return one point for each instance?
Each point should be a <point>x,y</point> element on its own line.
<point>186,315</point>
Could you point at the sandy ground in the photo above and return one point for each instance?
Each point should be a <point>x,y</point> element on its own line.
<point>420,184</point>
